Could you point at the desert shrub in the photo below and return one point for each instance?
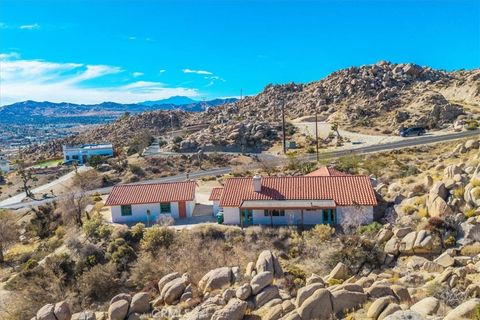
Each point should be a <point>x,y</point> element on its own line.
<point>146,271</point>
<point>137,231</point>
<point>471,249</point>
<point>449,241</point>
<point>422,213</point>
<point>333,281</point>
<point>120,253</point>
<point>99,283</point>
<point>472,125</point>
<point>475,182</point>
<point>371,228</point>
<point>355,252</point>
<point>321,232</point>
<point>348,163</point>
<point>408,209</point>
<point>156,237</point>
<point>458,192</point>
<point>96,229</point>
<point>177,139</point>
<point>470,213</point>
<point>409,171</point>
<point>136,170</point>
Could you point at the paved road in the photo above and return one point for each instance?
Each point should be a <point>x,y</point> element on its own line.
<point>43,188</point>
<point>407,142</point>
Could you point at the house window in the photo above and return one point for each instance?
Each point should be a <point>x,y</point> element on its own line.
<point>126,210</point>
<point>329,216</point>
<point>75,157</point>
<point>165,207</point>
<point>67,157</point>
<point>274,212</point>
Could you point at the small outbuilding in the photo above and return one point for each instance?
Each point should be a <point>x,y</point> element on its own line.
<point>147,203</point>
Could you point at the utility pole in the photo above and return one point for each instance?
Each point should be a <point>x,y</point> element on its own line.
<point>283,129</point>
<point>316,132</point>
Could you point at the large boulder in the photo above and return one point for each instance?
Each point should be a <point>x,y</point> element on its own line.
<point>173,290</point>
<point>464,311</point>
<point>267,294</point>
<point>121,296</point>
<point>260,281</point>
<point>244,291</point>
<point>84,315</point>
<point>166,279</point>
<point>445,260</point>
<point>140,303</point>
<point>216,279</point>
<point>317,306</point>
<point>118,310</point>
<point>427,306</point>
<point>378,306</point>
<point>405,315</point>
<point>62,311</point>
<point>46,312</point>
<point>267,261</point>
<point>234,310</point>
<point>378,290</point>
<point>306,292</point>
<point>340,272</point>
<point>347,300</point>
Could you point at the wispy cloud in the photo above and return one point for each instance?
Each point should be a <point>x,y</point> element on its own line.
<point>197,71</point>
<point>30,26</point>
<point>162,71</point>
<point>52,81</point>
<point>137,74</point>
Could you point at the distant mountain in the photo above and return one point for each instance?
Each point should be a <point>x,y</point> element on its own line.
<point>34,112</point>
<point>175,100</point>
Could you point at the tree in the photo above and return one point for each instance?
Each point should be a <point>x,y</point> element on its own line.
<point>8,232</point>
<point>87,180</point>
<point>73,206</point>
<point>27,176</point>
<point>334,128</point>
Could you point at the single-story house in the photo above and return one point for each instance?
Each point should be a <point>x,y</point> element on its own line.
<point>85,152</point>
<point>303,200</point>
<point>146,203</point>
<point>215,198</point>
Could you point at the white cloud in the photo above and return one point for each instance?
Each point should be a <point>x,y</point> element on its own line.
<point>132,38</point>
<point>51,81</point>
<point>197,71</point>
<point>162,71</point>
<point>137,74</point>
<point>30,26</point>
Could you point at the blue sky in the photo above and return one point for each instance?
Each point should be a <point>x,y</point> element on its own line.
<point>128,51</point>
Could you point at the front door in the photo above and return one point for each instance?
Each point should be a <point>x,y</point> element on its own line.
<point>182,210</point>
<point>329,216</point>
<point>246,216</point>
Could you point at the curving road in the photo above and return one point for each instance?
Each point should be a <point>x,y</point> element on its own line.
<point>407,142</point>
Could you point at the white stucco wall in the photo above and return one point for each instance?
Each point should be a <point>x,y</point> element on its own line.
<point>292,217</point>
<point>108,152</point>
<point>139,212</point>
<point>231,216</point>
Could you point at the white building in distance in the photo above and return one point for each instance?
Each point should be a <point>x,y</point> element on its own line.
<point>85,152</point>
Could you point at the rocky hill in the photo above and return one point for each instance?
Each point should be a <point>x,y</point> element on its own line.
<point>381,97</point>
<point>378,98</point>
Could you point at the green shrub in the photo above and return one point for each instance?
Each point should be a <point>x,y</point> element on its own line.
<point>472,125</point>
<point>29,265</point>
<point>371,228</point>
<point>137,231</point>
<point>157,237</point>
<point>408,209</point>
<point>470,213</point>
<point>136,170</point>
<point>348,163</point>
<point>96,229</point>
<point>321,232</point>
<point>449,242</point>
<point>332,282</point>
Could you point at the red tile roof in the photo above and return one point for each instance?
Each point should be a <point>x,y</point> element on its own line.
<point>344,190</point>
<point>151,193</point>
<point>326,172</point>
<point>216,194</point>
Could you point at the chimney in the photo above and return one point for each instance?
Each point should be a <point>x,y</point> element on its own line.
<point>257,183</point>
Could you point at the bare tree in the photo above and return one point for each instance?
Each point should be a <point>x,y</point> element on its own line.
<point>334,127</point>
<point>27,176</point>
<point>73,206</point>
<point>8,232</point>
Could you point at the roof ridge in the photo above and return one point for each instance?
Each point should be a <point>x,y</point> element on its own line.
<point>151,183</point>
